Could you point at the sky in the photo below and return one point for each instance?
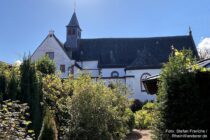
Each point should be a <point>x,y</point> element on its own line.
<point>25,23</point>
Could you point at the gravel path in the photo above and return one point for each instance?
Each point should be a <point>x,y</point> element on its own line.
<point>139,135</point>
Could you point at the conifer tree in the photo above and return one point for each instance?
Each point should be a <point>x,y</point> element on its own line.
<point>31,92</point>
<point>12,88</point>
<point>2,86</point>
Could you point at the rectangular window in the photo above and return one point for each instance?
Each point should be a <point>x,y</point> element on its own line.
<point>62,68</point>
<point>50,55</point>
<point>74,32</point>
<point>69,32</point>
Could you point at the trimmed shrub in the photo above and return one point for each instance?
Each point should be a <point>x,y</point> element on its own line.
<point>182,102</point>
<point>144,118</point>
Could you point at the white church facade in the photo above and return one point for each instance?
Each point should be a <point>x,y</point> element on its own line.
<point>128,60</point>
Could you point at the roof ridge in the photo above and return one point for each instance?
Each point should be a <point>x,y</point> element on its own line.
<point>135,37</point>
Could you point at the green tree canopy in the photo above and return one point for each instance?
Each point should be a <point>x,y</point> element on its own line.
<point>87,109</point>
<point>181,101</point>
<point>45,65</point>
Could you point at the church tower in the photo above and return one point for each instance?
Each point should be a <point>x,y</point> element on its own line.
<point>73,32</point>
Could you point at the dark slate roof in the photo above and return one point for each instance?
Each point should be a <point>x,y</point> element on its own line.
<point>132,53</point>
<point>73,22</point>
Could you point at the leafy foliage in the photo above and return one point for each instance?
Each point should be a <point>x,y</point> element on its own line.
<point>181,102</point>
<point>88,110</point>
<point>4,79</point>
<point>45,65</point>
<point>49,130</point>
<point>14,120</point>
<point>144,118</point>
<point>97,112</point>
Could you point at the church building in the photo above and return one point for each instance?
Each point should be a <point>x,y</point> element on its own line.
<point>128,60</point>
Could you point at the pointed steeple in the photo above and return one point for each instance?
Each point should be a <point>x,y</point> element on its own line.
<point>73,22</point>
<point>73,32</point>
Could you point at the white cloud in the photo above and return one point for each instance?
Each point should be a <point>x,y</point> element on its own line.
<point>204,47</point>
<point>18,63</point>
<point>205,43</point>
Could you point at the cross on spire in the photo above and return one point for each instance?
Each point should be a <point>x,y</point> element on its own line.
<point>190,31</point>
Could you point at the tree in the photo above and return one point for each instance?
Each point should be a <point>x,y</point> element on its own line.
<point>3,84</point>
<point>49,130</point>
<point>181,101</point>
<point>54,91</point>
<point>85,109</point>
<point>95,111</point>
<point>45,65</point>
<point>4,78</point>
<point>31,92</point>
<point>13,86</point>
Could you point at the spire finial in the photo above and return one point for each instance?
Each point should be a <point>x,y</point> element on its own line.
<point>75,4</point>
<point>51,33</point>
<point>190,31</point>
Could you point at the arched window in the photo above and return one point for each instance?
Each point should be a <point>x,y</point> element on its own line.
<point>114,74</point>
<point>143,76</point>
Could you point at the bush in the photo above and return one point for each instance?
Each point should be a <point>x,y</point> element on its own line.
<point>49,130</point>
<point>94,111</point>
<point>144,118</point>
<point>14,118</point>
<point>136,105</point>
<point>181,102</point>
<point>45,65</point>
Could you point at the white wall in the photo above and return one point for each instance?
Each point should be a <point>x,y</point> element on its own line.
<point>89,64</point>
<point>107,72</point>
<point>134,83</point>
<point>109,81</point>
<point>90,67</point>
<point>60,57</point>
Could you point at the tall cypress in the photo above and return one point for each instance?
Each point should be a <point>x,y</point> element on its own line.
<point>31,92</point>
<point>2,86</point>
<point>12,88</point>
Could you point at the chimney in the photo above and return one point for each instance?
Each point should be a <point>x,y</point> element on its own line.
<point>51,33</point>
